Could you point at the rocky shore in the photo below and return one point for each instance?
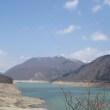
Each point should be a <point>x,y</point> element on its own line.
<point>11,99</point>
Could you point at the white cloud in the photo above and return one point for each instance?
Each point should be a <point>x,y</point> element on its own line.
<point>23,57</point>
<point>99,36</point>
<point>2,62</point>
<point>84,37</point>
<point>7,62</point>
<point>68,30</point>
<point>100,5</point>
<point>96,8</point>
<point>107,2</point>
<point>71,4</point>
<point>88,54</point>
<point>2,53</point>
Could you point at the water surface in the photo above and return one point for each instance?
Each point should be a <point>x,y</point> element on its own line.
<point>53,94</point>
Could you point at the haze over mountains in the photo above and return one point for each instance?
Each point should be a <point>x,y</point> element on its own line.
<point>97,70</point>
<point>43,68</point>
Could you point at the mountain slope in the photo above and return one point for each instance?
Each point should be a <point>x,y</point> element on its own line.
<point>97,70</point>
<point>43,68</point>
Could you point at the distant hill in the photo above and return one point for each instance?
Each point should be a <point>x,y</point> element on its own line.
<point>97,70</point>
<point>5,79</point>
<point>43,68</point>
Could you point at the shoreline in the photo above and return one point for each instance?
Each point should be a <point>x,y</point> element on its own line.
<point>83,84</point>
<point>67,83</point>
<point>29,81</point>
<point>11,99</point>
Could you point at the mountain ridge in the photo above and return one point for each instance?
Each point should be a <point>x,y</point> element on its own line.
<point>97,70</point>
<point>43,68</point>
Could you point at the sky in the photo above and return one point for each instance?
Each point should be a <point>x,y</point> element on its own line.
<point>40,28</point>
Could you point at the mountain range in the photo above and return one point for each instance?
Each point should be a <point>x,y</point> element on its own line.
<point>97,70</point>
<point>62,69</point>
<point>43,68</point>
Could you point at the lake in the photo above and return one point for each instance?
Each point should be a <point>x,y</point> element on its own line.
<point>53,94</point>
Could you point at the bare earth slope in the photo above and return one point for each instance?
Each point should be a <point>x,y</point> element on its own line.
<point>10,99</point>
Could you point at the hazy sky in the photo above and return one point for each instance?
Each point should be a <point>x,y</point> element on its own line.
<point>73,28</point>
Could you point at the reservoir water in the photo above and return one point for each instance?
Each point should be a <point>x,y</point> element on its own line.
<point>53,94</point>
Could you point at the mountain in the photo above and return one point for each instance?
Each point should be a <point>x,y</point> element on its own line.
<point>97,70</point>
<point>5,79</point>
<point>43,68</point>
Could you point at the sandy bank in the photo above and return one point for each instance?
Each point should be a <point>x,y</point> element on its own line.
<point>10,99</point>
<point>83,84</point>
<point>30,81</point>
<point>15,108</point>
<point>67,83</point>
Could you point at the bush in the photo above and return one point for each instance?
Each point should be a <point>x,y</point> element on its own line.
<point>84,102</point>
